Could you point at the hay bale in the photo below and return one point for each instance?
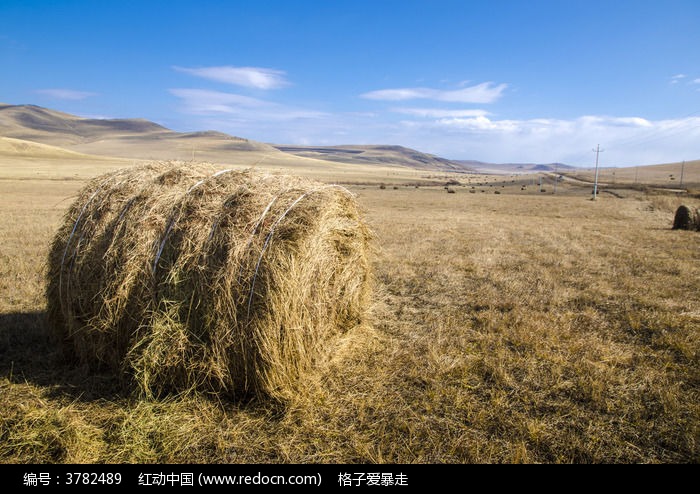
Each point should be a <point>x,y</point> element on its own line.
<point>685,219</point>
<point>183,278</point>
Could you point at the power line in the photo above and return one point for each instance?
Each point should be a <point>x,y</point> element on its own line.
<point>678,126</point>
<point>655,133</point>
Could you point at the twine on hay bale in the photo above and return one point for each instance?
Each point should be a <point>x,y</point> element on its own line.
<point>226,282</point>
<point>686,219</point>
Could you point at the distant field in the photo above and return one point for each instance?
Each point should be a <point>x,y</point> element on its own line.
<point>522,326</point>
<point>667,175</point>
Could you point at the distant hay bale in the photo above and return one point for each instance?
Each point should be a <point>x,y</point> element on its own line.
<point>450,190</point>
<point>184,278</point>
<point>686,219</point>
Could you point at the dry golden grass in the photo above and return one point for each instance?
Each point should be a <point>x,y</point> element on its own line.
<point>506,328</point>
<point>668,175</point>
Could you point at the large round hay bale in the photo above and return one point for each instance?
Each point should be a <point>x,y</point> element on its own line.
<point>685,219</point>
<point>184,278</point>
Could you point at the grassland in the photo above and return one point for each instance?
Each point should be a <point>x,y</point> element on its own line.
<point>518,327</point>
<point>668,175</point>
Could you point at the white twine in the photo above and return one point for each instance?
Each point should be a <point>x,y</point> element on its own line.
<point>125,209</point>
<point>255,231</point>
<point>272,231</point>
<point>176,216</point>
<point>105,183</point>
<point>70,237</point>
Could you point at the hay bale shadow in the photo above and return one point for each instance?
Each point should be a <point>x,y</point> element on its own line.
<point>28,354</point>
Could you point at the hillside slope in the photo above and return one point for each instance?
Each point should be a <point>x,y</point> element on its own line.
<point>129,138</point>
<point>376,154</point>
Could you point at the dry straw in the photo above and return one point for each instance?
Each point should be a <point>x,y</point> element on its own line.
<point>686,219</point>
<point>183,278</point>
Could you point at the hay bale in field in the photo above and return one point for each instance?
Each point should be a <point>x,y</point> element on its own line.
<point>685,219</point>
<point>183,278</point>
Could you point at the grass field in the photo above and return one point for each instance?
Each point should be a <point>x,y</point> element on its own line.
<point>670,175</point>
<point>518,327</point>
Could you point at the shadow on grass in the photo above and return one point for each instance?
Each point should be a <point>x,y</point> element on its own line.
<point>29,354</point>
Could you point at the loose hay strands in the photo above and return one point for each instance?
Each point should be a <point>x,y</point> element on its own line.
<point>223,282</point>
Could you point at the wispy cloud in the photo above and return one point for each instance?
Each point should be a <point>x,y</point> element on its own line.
<point>696,81</point>
<point>537,125</point>
<point>65,94</point>
<point>675,79</point>
<point>440,112</point>
<point>239,107</point>
<point>251,77</point>
<point>627,140</point>
<point>486,92</point>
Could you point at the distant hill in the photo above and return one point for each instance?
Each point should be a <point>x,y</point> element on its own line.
<point>142,139</point>
<point>69,136</point>
<point>34,123</point>
<point>376,154</point>
<point>480,166</point>
<point>130,138</point>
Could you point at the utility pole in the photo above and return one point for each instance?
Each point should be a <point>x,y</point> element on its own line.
<point>556,178</point>
<point>636,173</point>
<point>682,170</point>
<point>540,190</point>
<point>597,152</point>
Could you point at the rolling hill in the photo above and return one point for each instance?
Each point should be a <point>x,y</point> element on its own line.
<point>142,139</point>
<point>376,154</point>
<point>127,138</point>
<point>56,134</point>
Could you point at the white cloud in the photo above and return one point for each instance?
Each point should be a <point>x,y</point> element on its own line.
<point>678,77</point>
<point>440,112</point>
<point>252,77</point>
<point>627,140</point>
<point>485,92</point>
<point>65,94</point>
<point>467,133</point>
<point>696,81</point>
<point>241,108</point>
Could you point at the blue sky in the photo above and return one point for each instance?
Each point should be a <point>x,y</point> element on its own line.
<point>499,81</point>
